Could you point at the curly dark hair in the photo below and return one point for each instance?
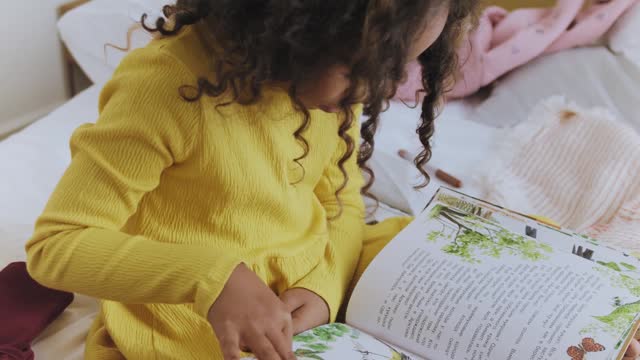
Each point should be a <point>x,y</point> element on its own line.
<point>263,41</point>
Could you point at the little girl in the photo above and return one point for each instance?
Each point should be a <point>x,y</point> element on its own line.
<point>216,206</point>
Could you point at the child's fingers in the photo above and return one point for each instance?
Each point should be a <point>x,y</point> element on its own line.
<point>283,343</point>
<point>261,347</point>
<point>229,344</point>
<point>633,351</point>
<point>288,331</point>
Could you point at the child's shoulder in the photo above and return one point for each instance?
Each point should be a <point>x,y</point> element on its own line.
<point>184,50</point>
<point>152,76</point>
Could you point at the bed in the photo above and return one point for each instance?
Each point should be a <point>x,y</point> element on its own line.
<point>32,160</point>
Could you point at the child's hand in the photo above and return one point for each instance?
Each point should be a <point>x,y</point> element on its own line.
<point>633,351</point>
<point>307,309</point>
<point>249,316</point>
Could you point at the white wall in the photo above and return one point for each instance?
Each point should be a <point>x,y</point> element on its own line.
<point>31,65</point>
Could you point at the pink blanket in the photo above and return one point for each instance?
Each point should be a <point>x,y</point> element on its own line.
<point>505,40</point>
<point>576,166</point>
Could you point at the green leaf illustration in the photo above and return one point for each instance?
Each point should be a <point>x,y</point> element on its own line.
<point>342,327</point>
<point>324,334</point>
<point>618,320</point>
<point>611,265</point>
<point>619,280</point>
<point>628,266</point>
<point>435,235</point>
<point>480,235</point>
<point>308,354</point>
<point>304,338</point>
<point>320,347</point>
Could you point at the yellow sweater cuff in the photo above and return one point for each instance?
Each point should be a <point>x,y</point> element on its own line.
<point>327,286</point>
<point>331,278</point>
<point>210,288</point>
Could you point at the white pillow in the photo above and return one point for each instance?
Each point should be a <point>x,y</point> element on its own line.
<point>624,37</point>
<point>33,160</point>
<point>86,30</point>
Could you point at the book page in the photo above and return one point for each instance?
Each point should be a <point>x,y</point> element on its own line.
<point>563,240</point>
<point>339,341</point>
<point>460,285</point>
<point>621,265</point>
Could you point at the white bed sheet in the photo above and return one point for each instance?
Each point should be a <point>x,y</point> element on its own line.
<point>33,160</point>
<point>31,163</point>
<point>457,146</point>
<point>590,77</point>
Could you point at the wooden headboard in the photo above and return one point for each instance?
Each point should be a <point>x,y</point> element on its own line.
<point>68,6</point>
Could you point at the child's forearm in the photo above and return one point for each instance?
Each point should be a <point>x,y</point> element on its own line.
<point>112,265</point>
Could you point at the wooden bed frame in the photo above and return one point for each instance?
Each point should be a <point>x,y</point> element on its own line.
<point>71,67</point>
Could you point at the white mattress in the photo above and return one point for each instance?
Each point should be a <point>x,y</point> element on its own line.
<point>32,161</point>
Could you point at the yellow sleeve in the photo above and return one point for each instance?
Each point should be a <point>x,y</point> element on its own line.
<point>144,128</point>
<point>331,278</point>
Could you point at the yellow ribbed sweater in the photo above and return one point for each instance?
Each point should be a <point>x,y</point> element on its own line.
<point>164,198</point>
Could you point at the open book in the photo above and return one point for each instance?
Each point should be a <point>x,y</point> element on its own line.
<point>469,280</point>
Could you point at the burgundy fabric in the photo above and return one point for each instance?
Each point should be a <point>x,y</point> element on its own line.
<point>14,352</point>
<point>26,309</point>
